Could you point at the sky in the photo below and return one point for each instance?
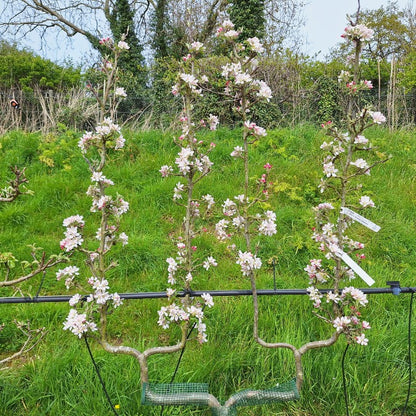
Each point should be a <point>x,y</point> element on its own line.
<point>325,21</point>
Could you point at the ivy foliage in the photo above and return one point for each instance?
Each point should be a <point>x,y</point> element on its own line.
<point>134,73</point>
<point>249,16</point>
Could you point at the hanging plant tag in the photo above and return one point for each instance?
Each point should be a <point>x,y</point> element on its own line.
<point>359,218</point>
<point>355,267</point>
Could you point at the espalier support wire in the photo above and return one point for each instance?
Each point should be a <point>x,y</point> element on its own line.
<point>394,289</point>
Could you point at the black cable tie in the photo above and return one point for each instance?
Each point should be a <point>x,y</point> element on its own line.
<point>409,345</point>
<point>41,283</point>
<point>344,382</point>
<point>99,376</point>
<point>189,292</point>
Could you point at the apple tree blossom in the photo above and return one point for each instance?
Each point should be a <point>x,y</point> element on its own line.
<point>242,213</point>
<point>88,314</point>
<point>109,206</point>
<point>191,165</point>
<point>348,157</point>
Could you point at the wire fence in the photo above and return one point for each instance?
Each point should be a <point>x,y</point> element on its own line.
<point>46,110</point>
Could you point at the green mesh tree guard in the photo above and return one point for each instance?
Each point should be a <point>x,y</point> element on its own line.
<point>175,394</point>
<point>197,394</point>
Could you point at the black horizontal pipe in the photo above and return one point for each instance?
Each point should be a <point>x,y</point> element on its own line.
<point>196,293</point>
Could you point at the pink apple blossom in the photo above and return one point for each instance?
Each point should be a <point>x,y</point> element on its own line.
<point>366,202</point>
<point>255,45</point>
<point>378,117</point>
<point>361,340</point>
<point>248,262</point>
<point>123,45</point>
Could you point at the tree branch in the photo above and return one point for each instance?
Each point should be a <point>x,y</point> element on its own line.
<point>52,261</point>
<point>33,336</point>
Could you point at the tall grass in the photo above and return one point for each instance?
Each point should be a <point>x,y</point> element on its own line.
<point>58,378</point>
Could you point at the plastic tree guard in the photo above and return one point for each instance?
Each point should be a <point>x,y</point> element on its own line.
<point>197,394</point>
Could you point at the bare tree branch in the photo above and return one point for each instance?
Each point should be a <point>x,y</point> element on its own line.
<point>33,337</point>
<point>14,189</point>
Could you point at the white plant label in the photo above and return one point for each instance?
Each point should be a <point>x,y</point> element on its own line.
<point>359,218</point>
<point>355,267</point>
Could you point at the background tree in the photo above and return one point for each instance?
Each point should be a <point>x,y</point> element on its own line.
<point>249,15</point>
<point>184,19</point>
<point>392,36</point>
<point>22,69</point>
<point>159,26</point>
<point>133,67</point>
<point>386,60</point>
<point>386,55</point>
<point>94,20</point>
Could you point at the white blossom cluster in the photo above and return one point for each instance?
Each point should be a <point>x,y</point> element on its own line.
<point>177,268</point>
<point>268,224</point>
<point>227,30</point>
<point>265,224</point>
<point>189,159</point>
<point>73,237</point>
<point>114,206</point>
<point>248,262</point>
<point>69,273</point>
<point>358,32</point>
<point>240,74</point>
<point>174,313</point>
<point>105,132</point>
<point>254,129</point>
<point>78,323</point>
<point>122,44</point>
<point>334,165</point>
<point>209,200</point>
<point>316,272</point>
<point>192,157</point>
<point>346,78</point>
<point>120,92</point>
<point>188,82</point>
<point>255,45</point>
<point>349,300</point>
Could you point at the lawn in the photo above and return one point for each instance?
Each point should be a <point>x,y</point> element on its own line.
<point>58,377</point>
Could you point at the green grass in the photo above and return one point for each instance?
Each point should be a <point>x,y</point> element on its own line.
<point>57,377</point>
